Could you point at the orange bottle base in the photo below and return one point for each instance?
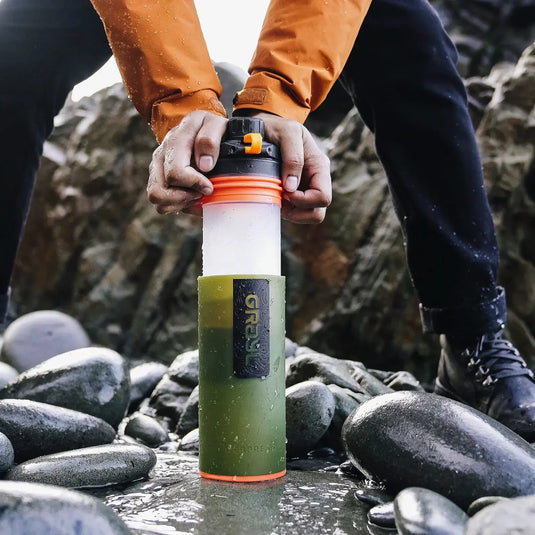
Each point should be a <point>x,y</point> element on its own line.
<point>243,479</point>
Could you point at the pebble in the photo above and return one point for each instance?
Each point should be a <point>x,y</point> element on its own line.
<point>189,419</point>
<point>481,503</point>
<point>36,509</point>
<point>408,439</point>
<point>92,380</point>
<point>169,399</point>
<point>146,429</point>
<point>190,442</point>
<point>185,369</point>
<point>7,455</point>
<point>36,429</point>
<point>37,336</point>
<point>7,374</point>
<point>96,466</point>
<point>310,408</point>
<point>371,496</point>
<point>143,379</point>
<point>420,511</point>
<point>382,515</point>
<point>515,516</point>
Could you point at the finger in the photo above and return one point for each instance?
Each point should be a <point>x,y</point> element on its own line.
<point>207,141</point>
<point>303,216</point>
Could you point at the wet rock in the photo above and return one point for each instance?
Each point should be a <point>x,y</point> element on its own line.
<point>382,515</point>
<point>169,399</point>
<point>36,429</point>
<point>185,368</point>
<point>290,347</point>
<point>421,511</point>
<point>97,466</point>
<point>31,508</point>
<point>410,439</point>
<point>7,456</point>
<point>146,429</point>
<point>7,374</point>
<point>190,442</point>
<point>481,503</point>
<point>344,373</point>
<point>93,380</point>
<point>37,336</point>
<point>143,379</point>
<point>346,401</point>
<point>399,380</point>
<point>373,497</point>
<point>189,419</point>
<point>310,408</point>
<point>505,517</point>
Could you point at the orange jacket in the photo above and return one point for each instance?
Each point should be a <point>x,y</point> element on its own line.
<point>167,71</point>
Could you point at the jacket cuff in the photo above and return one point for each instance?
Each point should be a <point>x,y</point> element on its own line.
<point>265,92</point>
<point>167,113</point>
<point>478,319</point>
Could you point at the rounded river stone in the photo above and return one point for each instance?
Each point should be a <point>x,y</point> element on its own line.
<point>7,455</point>
<point>146,429</point>
<point>417,439</point>
<point>421,511</point>
<point>190,442</point>
<point>515,516</point>
<point>7,374</point>
<point>36,429</point>
<point>93,380</point>
<point>483,502</point>
<point>37,336</point>
<point>189,419</point>
<point>310,408</point>
<point>143,379</point>
<point>382,515</point>
<point>97,466</point>
<point>34,509</point>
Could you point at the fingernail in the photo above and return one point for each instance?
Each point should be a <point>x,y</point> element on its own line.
<point>206,190</point>
<point>206,163</point>
<point>290,183</point>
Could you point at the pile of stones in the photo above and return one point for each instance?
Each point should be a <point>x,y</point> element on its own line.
<point>87,418</point>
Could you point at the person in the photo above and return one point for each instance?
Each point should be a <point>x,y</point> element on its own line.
<point>399,66</point>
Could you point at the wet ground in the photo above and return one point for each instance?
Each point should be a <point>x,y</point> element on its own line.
<point>177,501</point>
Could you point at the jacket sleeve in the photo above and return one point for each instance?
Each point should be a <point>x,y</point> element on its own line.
<point>302,49</point>
<point>163,59</point>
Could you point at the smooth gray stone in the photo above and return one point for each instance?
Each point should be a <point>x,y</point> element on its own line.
<point>408,439</point>
<point>190,442</point>
<point>36,429</point>
<point>92,380</point>
<point>169,399</point>
<point>344,373</point>
<point>185,368</point>
<point>346,401</point>
<point>372,497</point>
<point>290,347</point>
<point>143,379</point>
<point>97,466</point>
<point>515,516</point>
<point>310,408</point>
<point>146,429</point>
<point>189,419</point>
<point>481,503</point>
<point>37,336</point>
<point>421,511</point>
<point>34,509</point>
<point>7,455</point>
<point>7,374</point>
<point>382,515</point>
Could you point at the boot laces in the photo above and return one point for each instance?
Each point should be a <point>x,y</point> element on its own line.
<point>494,358</point>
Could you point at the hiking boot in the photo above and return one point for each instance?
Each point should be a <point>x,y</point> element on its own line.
<point>489,374</point>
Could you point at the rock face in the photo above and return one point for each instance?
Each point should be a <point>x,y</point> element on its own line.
<point>31,508</point>
<point>96,249</point>
<point>91,380</point>
<point>418,439</point>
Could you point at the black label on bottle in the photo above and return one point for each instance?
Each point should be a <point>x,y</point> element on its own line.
<point>250,334</point>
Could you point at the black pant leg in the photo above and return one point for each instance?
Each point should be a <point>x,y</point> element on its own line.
<point>47,46</point>
<point>402,77</point>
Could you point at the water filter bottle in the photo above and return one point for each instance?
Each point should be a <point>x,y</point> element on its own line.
<point>242,420</point>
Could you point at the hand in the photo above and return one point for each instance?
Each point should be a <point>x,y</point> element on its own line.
<point>174,184</point>
<point>306,176</point>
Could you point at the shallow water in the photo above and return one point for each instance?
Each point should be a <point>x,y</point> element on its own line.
<point>175,500</point>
